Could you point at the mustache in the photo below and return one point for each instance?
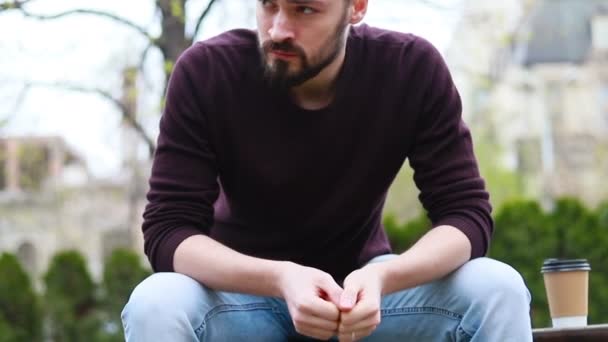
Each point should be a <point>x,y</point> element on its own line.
<point>285,46</point>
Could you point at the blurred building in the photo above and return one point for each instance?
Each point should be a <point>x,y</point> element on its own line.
<point>537,83</point>
<point>49,203</point>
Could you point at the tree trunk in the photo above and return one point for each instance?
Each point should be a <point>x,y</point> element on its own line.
<point>173,40</point>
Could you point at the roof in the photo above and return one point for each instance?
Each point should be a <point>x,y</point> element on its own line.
<point>557,31</point>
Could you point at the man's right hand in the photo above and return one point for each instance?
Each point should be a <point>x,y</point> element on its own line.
<point>312,297</point>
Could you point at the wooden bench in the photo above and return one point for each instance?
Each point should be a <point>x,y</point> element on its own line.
<point>591,333</point>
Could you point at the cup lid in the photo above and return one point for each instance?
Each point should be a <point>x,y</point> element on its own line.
<point>561,265</point>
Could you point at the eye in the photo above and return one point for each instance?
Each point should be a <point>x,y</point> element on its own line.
<point>306,10</point>
<point>266,3</point>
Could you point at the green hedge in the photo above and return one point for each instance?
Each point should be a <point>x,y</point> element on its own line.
<point>73,308</point>
<point>77,309</point>
<point>20,311</point>
<point>525,235</point>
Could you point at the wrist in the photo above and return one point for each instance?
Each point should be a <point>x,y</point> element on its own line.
<point>382,271</point>
<point>278,271</point>
<point>398,274</point>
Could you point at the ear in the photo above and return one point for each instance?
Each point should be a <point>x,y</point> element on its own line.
<point>359,8</point>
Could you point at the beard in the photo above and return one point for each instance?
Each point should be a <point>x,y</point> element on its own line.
<point>277,73</point>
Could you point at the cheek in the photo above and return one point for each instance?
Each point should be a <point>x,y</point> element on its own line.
<point>262,25</point>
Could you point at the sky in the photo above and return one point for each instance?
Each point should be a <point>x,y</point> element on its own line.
<point>91,52</point>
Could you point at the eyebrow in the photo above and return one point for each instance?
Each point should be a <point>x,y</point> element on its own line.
<point>306,2</point>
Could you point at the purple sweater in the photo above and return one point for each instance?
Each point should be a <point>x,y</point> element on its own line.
<point>247,167</point>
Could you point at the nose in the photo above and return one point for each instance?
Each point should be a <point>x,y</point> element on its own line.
<point>281,28</point>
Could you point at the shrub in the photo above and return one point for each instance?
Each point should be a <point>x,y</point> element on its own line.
<point>70,299</point>
<point>525,235</point>
<point>122,272</point>
<point>404,236</point>
<point>20,312</point>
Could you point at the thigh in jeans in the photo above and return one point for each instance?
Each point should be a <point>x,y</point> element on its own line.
<point>174,307</point>
<point>406,317</point>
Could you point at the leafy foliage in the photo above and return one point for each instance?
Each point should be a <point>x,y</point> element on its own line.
<point>75,308</point>
<point>525,235</point>
<point>20,312</point>
<point>404,236</point>
<point>70,298</point>
<point>122,272</point>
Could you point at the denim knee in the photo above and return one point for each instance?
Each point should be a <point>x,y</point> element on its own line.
<point>489,280</point>
<point>163,299</point>
<point>174,307</point>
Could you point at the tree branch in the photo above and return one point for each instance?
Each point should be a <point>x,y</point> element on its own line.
<point>144,55</point>
<point>436,5</point>
<point>12,5</point>
<point>141,64</point>
<point>18,102</point>
<point>18,5</point>
<point>127,116</point>
<point>202,17</point>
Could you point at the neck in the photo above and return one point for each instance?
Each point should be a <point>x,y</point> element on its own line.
<point>318,92</point>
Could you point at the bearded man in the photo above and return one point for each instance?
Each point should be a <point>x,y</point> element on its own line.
<point>276,151</point>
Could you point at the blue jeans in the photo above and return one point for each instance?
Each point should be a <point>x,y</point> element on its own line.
<point>484,300</point>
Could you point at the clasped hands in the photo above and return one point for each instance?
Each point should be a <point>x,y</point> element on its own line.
<point>321,309</point>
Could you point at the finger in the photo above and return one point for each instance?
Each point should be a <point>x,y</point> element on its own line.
<point>363,310</point>
<point>349,297</point>
<point>315,322</point>
<point>358,335</point>
<point>319,334</point>
<point>332,289</point>
<point>370,321</point>
<point>322,309</point>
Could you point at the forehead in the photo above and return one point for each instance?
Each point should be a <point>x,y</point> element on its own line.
<point>308,2</point>
<point>305,2</point>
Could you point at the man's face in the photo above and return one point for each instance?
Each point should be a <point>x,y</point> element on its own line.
<point>299,38</point>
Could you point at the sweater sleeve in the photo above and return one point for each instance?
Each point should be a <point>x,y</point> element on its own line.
<point>445,168</point>
<point>183,182</point>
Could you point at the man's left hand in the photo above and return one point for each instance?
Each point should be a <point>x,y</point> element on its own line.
<point>360,303</point>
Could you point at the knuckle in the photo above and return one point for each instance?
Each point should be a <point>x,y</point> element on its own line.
<point>326,336</point>
<point>298,319</point>
<point>325,278</point>
<point>301,306</point>
<point>334,326</point>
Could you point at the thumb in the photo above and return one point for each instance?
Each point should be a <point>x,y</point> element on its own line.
<point>348,298</point>
<point>333,291</point>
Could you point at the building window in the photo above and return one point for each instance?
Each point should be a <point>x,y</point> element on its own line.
<point>604,102</point>
<point>555,97</point>
<point>599,30</point>
<point>3,166</point>
<point>33,166</point>
<point>26,253</point>
<point>115,239</point>
<point>529,155</point>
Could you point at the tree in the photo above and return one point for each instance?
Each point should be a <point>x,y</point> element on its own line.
<point>122,272</point>
<point>172,39</point>
<point>518,226</point>
<point>7,334</point>
<point>20,314</point>
<point>581,235</point>
<point>70,300</point>
<point>524,236</point>
<point>170,42</point>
